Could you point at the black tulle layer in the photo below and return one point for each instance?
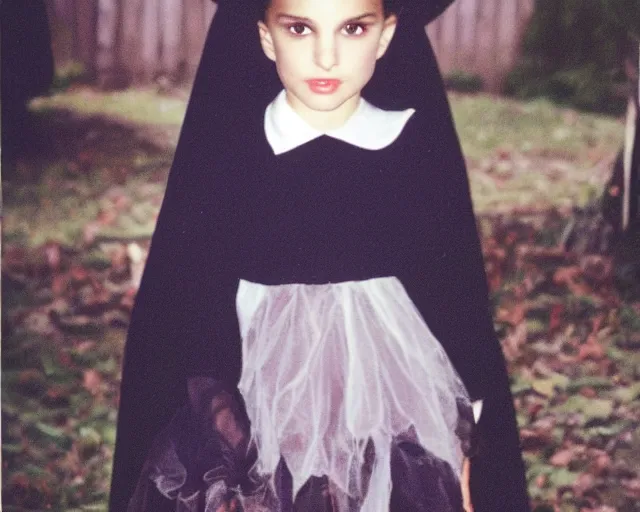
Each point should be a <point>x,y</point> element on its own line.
<point>202,462</point>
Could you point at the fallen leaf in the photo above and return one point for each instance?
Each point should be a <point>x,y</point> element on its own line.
<point>547,386</point>
<point>95,303</point>
<point>116,319</point>
<point>511,345</point>
<point>591,349</point>
<point>31,381</point>
<point>601,464</point>
<point>596,322</point>
<point>121,202</point>
<point>541,481</point>
<point>107,217</point>
<point>59,285</point>
<point>513,316</point>
<point>563,478</point>
<point>544,256</point>
<point>632,488</point>
<point>38,322</point>
<point>56,396</point>
<point>14,258</point>
<point>92,381</point>
<point>598,408</point>
<point>81,325</point>
<point>562,458</point>
<point>64,359</point>
<point>53,256</point>
<point>535,439</point>
<point>588,392</point>
<point>85,346</point>
<point>128,300</point>
<point>556,317</point>
<point>89,232</point>
<point>571,278</point>
<point>628,394</point>
<point>597,269</point>
<point>119,258</point>
<point>79,274</point>
<point>583,483</point>
<point>622,470</point>
<point>592,382</point>
<point>86,158</point>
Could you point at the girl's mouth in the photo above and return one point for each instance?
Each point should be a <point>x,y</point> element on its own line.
<point>323,86</point>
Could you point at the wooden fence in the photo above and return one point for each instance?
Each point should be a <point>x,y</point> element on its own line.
<point>481,37</point>
<point>135,41</point>
<point>122,42</point>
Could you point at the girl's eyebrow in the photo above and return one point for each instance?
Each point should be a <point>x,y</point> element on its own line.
<point>290,17</point>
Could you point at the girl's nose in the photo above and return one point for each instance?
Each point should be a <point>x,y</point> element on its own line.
<point>326,54</point>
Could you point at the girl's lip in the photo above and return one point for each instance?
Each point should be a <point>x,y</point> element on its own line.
<point>323,85</point>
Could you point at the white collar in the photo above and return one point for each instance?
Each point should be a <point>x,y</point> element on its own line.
<point>369,127</point>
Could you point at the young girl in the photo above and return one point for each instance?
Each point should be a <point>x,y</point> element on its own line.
<point>314,279</point>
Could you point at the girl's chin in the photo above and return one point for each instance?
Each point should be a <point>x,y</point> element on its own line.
<point>325,102</point>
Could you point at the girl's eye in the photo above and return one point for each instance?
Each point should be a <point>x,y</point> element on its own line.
<point>298,29</point>
<point>354,29</point>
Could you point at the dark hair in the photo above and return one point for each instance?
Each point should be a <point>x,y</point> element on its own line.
<point>389,7</point>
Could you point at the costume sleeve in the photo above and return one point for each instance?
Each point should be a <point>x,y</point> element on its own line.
<point>447,283</point>
<point>184,321</point>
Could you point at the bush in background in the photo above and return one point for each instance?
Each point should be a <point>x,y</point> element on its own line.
<point>574,52</point>
<point>460,81</point>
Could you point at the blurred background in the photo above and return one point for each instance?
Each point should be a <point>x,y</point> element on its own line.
<point>545,99</point>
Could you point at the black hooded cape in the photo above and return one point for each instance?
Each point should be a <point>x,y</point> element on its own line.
<point>323,212</point>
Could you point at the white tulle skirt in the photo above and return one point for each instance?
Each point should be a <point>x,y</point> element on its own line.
<point>330,368</point>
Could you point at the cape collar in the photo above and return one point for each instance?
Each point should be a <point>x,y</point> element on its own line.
<point>369,127</point>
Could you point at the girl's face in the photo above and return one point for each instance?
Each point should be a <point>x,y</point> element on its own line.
<point>325,53</point>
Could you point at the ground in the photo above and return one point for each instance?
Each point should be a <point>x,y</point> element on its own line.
<point>81,207</point>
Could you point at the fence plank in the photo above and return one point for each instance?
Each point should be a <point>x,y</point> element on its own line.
<point>107,40</point>
<point>449,38</point>
<point>170,30</point>
<point>150,32</point>
<point>131,40</point>
<point>507,42</point>
<point>526,8</point>
<point>467,32</point>
<point>487,30</point>
<point>61,24</point>
<point>434,32</point>
<point>86,37</point>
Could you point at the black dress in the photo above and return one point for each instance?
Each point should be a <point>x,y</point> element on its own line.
<point>354,217</point>
<point>324,212</point>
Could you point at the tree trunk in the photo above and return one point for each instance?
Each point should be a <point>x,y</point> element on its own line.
<point>613,225</point>
<point>631,199</point>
